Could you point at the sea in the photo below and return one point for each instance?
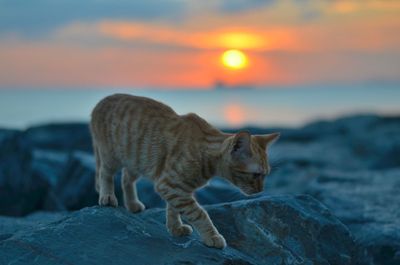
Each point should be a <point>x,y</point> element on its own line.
<point>223,107</point>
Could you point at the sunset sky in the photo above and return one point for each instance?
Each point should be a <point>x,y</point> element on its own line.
<point>179,44</point>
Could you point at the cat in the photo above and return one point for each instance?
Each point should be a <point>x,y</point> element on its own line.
<point>144,137</point>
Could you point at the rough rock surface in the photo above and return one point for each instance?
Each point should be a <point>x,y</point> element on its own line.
<point>22,189</point>
<point>267,230</point>
<point>351,165</point>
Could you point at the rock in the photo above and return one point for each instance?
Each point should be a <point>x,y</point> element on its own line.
<point>364,200</point>
<point>353,167</point>
<point>22,190</point>
<point>351,164</point>
<point>368,203</point>
<point>49,164</point>
<point>31,163</point>
<point>6,136</point>
<point>63,137</point>
<point>267,230</point>
<point>18,225</point>
<point>218,191</point>
<point>75,186</point>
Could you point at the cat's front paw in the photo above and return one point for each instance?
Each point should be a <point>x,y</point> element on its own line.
<point>215,241</point>
<point>182,230</point>
<point>108,200</point>
<point>135,206</point>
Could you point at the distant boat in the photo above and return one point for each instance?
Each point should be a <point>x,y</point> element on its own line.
<point>220,85</point>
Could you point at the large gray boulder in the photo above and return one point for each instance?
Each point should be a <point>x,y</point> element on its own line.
<point>368,203</point>
<point>267,230</point>
<point>60,136</point>
<point>22,189</point>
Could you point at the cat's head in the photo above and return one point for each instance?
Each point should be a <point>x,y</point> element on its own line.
<point>246,161</point>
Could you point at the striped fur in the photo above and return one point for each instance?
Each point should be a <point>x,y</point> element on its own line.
<point>179,154</point>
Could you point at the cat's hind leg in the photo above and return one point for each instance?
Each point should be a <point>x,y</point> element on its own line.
<point>131,199</point>
<point>106,184</point>
<point>174,223</point>
<point>98,165</point>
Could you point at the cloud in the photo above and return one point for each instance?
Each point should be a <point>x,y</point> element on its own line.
<point>167,36</point>
<point>179,43</point>
<point>311,38</point>
<point>55,65</point>
<point>35,18</point>
<point>233,6</point>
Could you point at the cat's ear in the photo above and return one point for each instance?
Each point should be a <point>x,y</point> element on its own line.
<point>241,145</point>
<point>267,139</point>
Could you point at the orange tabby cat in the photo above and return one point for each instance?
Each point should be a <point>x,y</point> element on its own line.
<point>179,153</point>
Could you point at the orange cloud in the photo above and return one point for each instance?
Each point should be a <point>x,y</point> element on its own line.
<point>345,6</point>
<point>53,64</point>
<point>224,38</point>
<point>49,65</point>
<point>236,40</point>
<point>351,42</point>
<point>372,34</point>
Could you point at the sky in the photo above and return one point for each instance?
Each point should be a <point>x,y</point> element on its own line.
<point>179,43</point>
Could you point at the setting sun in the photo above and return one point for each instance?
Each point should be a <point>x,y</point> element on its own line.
<point>234,59</point>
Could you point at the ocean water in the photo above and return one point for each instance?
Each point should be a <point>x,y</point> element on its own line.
<point>21,108</point>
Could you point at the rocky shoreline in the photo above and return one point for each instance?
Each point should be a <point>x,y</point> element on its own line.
<point>347,169</point>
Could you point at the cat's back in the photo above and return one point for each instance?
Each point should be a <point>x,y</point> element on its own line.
<point>121,112</point>
<point>122,102</point>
